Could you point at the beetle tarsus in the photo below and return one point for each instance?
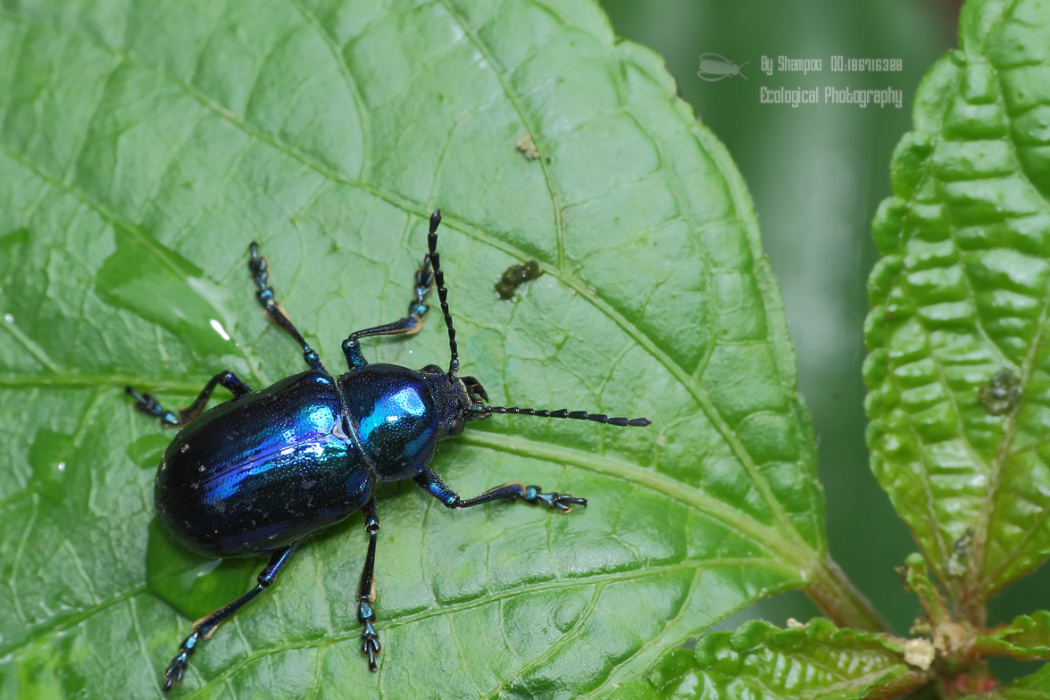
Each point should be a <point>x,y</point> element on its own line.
<point>424,283</point>
<point>177,669</point>
<point>561,502</point>
<point>369,638</point>
<point>151,407</point>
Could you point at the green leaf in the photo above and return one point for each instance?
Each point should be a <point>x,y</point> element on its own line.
<point>761,661</point>
<point>1027,637</point>
<point>917,580</point>
<point>958,351</point>
<point>1033,687</point>
<point>144,144</point>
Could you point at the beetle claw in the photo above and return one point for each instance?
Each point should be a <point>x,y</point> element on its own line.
<point>144,402</point>
<point>369,638</point>
<point>370,647</point>
<point>424,277</point>
<point>175,671</point>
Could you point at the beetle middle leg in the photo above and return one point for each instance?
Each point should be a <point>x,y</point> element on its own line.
<point>365,614</point>
<point>260,268</point>
<point>150,406</point>
<point>205,627</point>
<point>511,491</point>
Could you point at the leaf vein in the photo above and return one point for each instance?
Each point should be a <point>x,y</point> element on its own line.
<point>512,98</point>
<point>351,84</point>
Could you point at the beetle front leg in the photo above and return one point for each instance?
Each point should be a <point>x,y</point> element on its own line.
<point>150,406</point>
<point>410,324</point>
<point>205,627</point>
<point>511,491</point>
<point>365,591</point>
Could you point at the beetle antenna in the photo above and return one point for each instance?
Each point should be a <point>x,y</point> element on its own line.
<point>439,279</point>
<point>575,415</point>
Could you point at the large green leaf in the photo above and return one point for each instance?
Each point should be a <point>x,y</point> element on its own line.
<point>959,356</point>
<point>143,144</point>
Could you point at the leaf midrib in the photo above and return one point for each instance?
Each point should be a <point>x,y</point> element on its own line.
<point>1010,430</point>
<point>693,498</point>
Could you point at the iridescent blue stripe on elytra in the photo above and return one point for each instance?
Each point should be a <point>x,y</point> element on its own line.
<point>226,491</point>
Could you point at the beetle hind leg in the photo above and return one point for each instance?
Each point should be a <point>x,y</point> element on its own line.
<point>205,627</point>
<point>150,406</point>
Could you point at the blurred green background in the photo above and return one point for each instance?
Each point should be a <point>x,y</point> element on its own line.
<point>817,174</point>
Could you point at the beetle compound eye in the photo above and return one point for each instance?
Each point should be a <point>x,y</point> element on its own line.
<point>457,427</point>
<point>433,369</point>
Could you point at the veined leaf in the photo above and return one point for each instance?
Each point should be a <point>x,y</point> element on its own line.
<point>957,371</point>
<point>1027,637</point>
<point>761,661</point>
<point>143,144</point>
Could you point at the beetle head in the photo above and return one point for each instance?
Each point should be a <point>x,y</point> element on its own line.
<point>457,400</point>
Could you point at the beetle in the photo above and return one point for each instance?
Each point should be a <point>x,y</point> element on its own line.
<point>267,469</point>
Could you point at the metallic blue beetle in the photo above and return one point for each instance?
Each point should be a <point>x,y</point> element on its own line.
<point>269,468</point>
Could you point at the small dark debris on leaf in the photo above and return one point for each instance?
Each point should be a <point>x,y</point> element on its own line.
<point>515,276</point>
<point>1002,394</point>
<point>956,567</point>
<point>526,145</point>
